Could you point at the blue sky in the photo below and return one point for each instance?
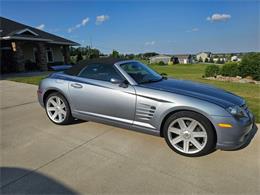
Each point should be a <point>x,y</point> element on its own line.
<point>172,27</point>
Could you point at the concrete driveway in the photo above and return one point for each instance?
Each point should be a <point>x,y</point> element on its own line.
<point>38,157</point>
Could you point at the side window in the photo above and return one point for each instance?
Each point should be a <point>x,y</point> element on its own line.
<point>99,72</point>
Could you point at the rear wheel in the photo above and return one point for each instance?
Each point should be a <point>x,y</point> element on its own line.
<point>189,133</point>
<point>58,109</point>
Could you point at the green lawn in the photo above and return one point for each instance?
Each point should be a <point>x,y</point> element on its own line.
<point>251,92</point>
<point>35,80</point>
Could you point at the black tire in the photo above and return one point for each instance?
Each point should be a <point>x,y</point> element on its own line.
<point>211,134</point>
<point>68,119</point>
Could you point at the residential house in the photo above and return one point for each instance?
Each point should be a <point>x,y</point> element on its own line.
<point>25,48</point>
<point>202,56</point>
<point>182,59</point>
<point>235,59</point>
<point>166,59</point>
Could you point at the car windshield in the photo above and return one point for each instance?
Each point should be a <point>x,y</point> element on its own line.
<point>141,73</point>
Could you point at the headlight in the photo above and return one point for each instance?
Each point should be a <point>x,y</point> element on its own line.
<point>237,111</point>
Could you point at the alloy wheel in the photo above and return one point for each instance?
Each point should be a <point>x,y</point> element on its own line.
<point>187,135</point>
<point>56,109</point>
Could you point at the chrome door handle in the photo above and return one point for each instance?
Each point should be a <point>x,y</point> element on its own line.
<point>76,85</point>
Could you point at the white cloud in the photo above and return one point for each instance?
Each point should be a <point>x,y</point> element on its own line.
<point>219,17</point>
<point>102,18</point>
<point>83,23</point>
<point>40,27</point>
<point>193,30</point>
<point>148,43</point>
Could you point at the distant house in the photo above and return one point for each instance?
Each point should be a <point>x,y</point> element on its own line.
<point>235,59</point>
<point>26,48</point>
<point>202,56</point>
<point>160,58</point>
<point>182,59</point>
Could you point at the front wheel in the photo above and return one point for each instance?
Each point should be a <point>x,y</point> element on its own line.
<point>189,134</point>
<point>58,109</point>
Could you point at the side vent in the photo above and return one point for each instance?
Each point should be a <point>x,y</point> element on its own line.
<point>145,112</point>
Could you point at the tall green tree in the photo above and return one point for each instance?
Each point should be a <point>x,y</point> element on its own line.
<point>115,54</point>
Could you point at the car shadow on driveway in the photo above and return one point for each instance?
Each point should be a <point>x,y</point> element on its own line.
<point>14,180</point>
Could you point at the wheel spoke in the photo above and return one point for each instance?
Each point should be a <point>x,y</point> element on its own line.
<point>186,145</point>
<point>60,116</point>
<point>182,124</point>
<point>176,140</point>
<point>58,101</point>
<point>199,134</point>
<point>63,112</point>
<point>175,130</point>
<point>62,105</point>
<point>54,115</point>
<point>53,102</point>
<point>51,109</point>
<point>196,143</point>
<point>192,126</point>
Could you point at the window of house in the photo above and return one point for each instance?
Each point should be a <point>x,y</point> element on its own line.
<point>49,55</point>
<point>101,72</point>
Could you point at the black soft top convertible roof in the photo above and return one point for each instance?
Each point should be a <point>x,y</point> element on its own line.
<point>74,70</point>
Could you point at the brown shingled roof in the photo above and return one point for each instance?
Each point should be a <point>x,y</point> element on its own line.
<point>10,29</point>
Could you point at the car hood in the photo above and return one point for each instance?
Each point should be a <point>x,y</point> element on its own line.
<point>197,90</point>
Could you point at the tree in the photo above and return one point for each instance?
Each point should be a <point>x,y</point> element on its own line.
<point>115,54</point>
<point>200,59</point>
<point>93,53</point>
<point>250,66</point>
<point>130,56</point>
<point>79,57</point>
<point>211,60</point>
<point>206,60</point>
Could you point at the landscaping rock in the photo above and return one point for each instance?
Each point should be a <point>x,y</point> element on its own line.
<point>236,79</point>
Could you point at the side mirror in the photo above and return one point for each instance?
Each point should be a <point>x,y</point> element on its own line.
<point>164,76</point>
<point>121,83</point>
<point>116,81</point>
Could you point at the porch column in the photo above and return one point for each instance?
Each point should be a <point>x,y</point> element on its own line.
<point>42,56</point>
<point>19,57</point>
<point>66,54</point>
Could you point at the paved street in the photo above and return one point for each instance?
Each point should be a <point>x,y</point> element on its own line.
<point>38,157</point>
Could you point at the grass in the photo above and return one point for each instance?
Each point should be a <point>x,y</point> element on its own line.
<point>35,80</point>
<point>251,92</point>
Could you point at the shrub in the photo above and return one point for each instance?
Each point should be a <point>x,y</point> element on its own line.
<point>79,57</point>
<point>250,66</point>
<point>161,63</point>
<point>212,70</point>
<point>230,69</point>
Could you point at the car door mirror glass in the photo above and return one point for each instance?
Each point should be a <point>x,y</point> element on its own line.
<point>116,81</point>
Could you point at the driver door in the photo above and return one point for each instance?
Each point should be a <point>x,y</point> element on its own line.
<point>92,94</point>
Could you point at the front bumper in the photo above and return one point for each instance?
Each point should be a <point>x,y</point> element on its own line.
<point>237,137</point>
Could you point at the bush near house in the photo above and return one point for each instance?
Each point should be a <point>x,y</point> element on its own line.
<point>212,70</point>
<point>161,63</point>
<point>250,66</point>
<point>230,69</point>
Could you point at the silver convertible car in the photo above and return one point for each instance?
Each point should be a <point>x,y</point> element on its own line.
<point>193,118</point>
